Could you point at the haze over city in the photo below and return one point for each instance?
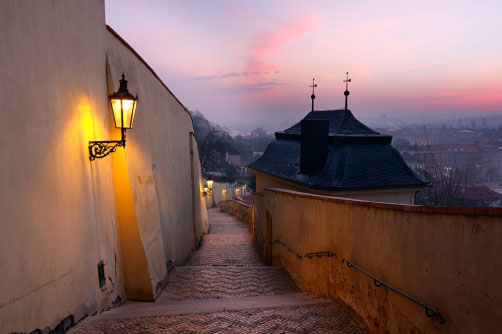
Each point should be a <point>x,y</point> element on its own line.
<point>241,62</point>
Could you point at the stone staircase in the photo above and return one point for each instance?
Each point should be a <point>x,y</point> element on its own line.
<point>226,287</point>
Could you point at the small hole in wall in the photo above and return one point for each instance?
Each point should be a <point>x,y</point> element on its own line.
<point>101,274</point>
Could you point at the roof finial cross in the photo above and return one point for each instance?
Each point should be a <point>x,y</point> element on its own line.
<point>346,93</point>
<point>313,86</point>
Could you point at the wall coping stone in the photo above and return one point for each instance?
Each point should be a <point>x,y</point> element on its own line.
<point>238,202</point>
<point>455,210</point>
<point>123,41</point>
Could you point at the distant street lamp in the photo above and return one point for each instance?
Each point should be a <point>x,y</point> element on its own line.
<point>124,109</point>
<point>210,183</point>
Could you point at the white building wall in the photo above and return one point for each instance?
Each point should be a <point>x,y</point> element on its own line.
<point>60,216</point>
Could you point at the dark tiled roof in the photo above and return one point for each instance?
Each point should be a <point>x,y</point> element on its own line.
<point>363,160</point>
<point>346,167</point>
<point>476,193</point>
<point>340,122</point>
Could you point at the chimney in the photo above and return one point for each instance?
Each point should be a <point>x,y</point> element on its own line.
<point>314,144</point>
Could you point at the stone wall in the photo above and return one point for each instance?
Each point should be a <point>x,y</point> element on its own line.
<point>62,215</point>
<point>259,223</point>
<point>447,258</point>
<point>162,131</point>
<point>242,211</point>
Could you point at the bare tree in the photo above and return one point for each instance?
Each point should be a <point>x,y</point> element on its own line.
<point>207,149</point>
<point>442,170</point>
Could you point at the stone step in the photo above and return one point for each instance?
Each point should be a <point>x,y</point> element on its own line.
<point>139,310</point>
<point>199,282</point>
<point>223,265</point>
<point>226,287</point>
<point>227,249</point>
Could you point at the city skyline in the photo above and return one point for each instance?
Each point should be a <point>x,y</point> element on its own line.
<point>243,62</point>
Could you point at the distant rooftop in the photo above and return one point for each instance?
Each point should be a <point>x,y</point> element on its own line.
<point>356,157</point>
<point>340,122</point>
<point>476,193</point>
<point>343,128</point>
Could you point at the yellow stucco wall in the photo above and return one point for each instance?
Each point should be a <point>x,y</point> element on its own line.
<point>61,213</point>
<point>450,261</point>
<point>158,163</point>
<point>395,195</point>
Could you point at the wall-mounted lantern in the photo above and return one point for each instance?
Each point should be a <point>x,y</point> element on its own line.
<point>123,108</point>
<point>210,184</point>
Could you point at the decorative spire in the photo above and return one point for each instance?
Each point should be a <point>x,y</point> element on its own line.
<point>314,85</point>
<point>123,84</point>
<point>346,93</point>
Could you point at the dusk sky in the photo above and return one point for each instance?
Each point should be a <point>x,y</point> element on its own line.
<point>253,61</point>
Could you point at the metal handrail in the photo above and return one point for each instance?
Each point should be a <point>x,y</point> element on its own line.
<point>319,254</point>
<point>429,311</point>
<point>298,256</point>
<point>307,255</point>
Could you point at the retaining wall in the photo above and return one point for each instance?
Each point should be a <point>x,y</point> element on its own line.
<point>447,258</point>
<point>242,211</point>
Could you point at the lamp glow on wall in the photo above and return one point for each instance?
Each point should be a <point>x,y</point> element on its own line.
<point>124,109</point>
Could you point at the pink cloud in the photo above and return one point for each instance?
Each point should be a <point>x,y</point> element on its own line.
<point>493,99</point>
<point>257,76</point>
<point>451,94</point>
<point>269,43</point>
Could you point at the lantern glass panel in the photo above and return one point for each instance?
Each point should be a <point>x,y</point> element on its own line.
<point>124,111</point>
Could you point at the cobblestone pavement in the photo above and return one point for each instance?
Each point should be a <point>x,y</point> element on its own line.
<point>228,250</point>
<point>226,288</point>
<point>186,283</point>
<point>229,228</point>
<point>326,318</point>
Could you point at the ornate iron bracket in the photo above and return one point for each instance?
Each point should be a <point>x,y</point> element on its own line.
<point>99,149</point>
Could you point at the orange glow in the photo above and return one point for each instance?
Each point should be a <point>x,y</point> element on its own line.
<point>86,123</point>
<point>81,126</point>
